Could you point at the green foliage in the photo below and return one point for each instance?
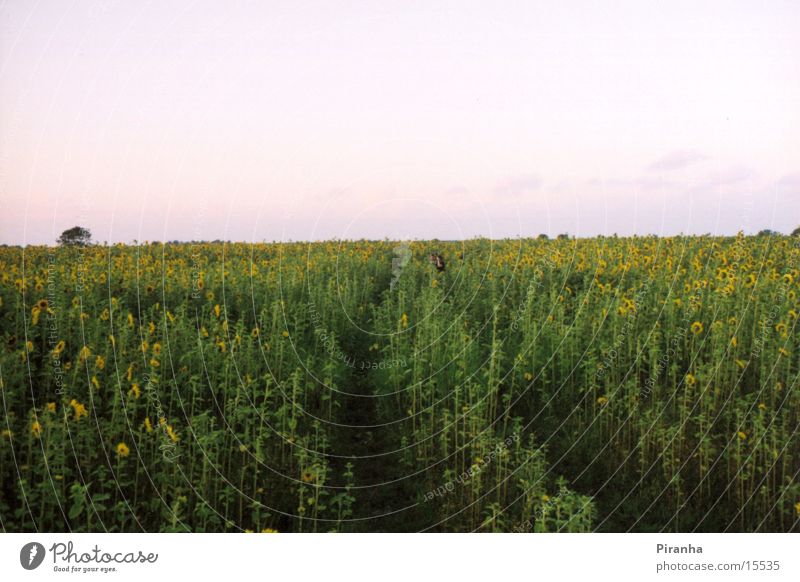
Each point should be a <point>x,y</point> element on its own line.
<point>75,236</point>
<point>570,385</point>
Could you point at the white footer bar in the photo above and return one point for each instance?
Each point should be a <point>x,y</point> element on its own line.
<point>379,557</point>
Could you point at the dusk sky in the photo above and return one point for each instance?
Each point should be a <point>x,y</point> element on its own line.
<point>253,121</point>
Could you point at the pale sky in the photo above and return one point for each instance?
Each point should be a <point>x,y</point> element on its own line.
<point>298,120</point>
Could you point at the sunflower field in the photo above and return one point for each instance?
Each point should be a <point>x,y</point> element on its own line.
<point>610,384</point>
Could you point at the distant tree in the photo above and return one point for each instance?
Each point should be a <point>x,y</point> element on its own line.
<point>768,232</point>
<point>543,236</point>
<point>796,231</point>
<point>77,236</point>
<point>563,236</point>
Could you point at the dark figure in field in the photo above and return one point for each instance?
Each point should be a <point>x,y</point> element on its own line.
<point>437,260</point>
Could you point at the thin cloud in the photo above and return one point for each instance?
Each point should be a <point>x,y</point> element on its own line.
<point>736,178</point>
<point>518,186</point>
<point>733,175</point>
<point>677,160</point>
<point>789,184</point>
